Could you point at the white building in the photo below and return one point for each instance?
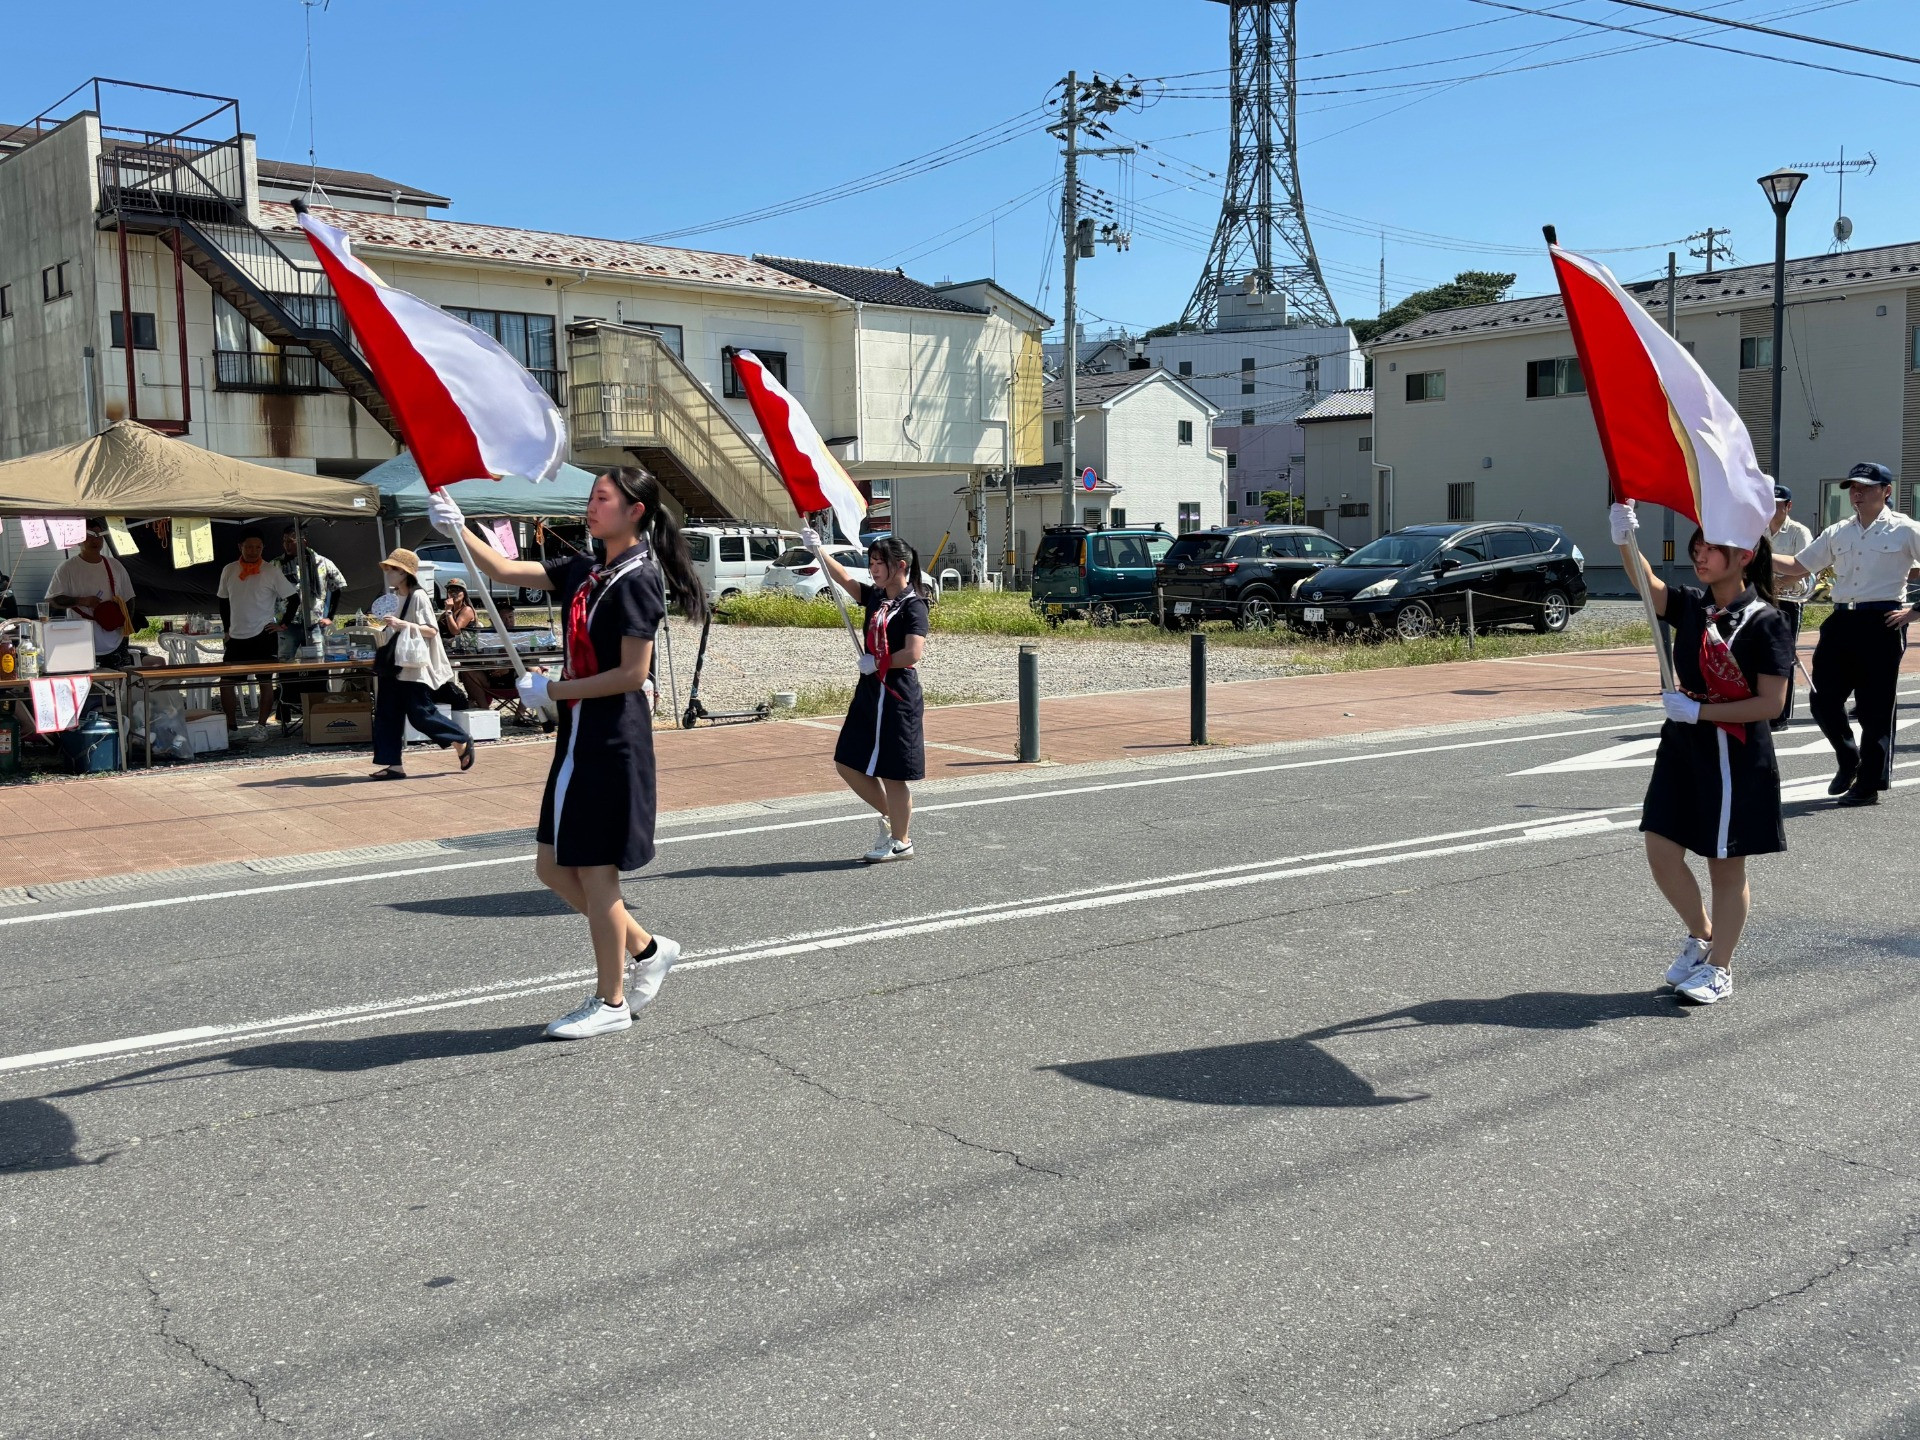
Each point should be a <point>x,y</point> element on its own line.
<point>1338,483</point>
<point>1143,432</point>
<point>1481,413</point>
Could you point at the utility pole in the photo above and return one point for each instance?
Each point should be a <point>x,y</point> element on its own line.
<point>1710,250</point>
<point>1383,274</point>
<point>1102,97</point>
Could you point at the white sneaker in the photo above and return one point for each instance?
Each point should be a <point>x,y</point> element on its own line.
<point>892,850</point>
<point>1692,956</point>
<point>644,976</point>
<point>595,1017</point>
<point>1708,984</point>
<point>882,848</point>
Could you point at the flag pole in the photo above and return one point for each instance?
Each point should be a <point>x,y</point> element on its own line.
<point>1637,566</point>
<point>486,599</point>
<point>813,523</point>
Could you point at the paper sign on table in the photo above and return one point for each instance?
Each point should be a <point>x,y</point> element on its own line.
<point>34,530</point>
<point>192,542</point>
<point>122,538</point>
<point>503,540</point>
<point>67,530</point>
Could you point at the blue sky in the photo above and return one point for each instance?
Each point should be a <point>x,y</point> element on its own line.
<point>630,119</point>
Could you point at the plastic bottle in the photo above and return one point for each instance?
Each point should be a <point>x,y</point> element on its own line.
<point>27,661</point>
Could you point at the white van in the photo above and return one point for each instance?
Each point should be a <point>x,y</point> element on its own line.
<point>733,559</point>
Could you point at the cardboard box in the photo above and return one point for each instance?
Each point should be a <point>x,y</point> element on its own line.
<point>335,720</point>
<point>206,730</point>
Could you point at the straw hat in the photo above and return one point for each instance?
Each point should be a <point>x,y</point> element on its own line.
<point>404,560</point>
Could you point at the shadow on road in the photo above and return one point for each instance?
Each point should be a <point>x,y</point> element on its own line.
<point>302,782</point>
<point>768,870</point>
<point>508,905</point>
<point>35,1135</point>
<point>1296,1072</point>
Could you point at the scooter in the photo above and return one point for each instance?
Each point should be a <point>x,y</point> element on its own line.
<point>696,712</point>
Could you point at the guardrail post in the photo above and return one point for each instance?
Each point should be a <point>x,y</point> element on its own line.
<point>1469,620</point>
<point>1197,687</point>
<point>1029,704</point>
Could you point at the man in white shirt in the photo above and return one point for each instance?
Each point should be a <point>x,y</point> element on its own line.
<point>1863,642</point>
<point>252,591</point>
<point>1790,537</point>
<point>93,585</point>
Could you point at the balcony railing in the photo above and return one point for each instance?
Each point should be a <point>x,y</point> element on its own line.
<point>554,382</point>
<point>283,372</point>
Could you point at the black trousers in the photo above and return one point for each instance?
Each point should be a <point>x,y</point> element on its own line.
<point>1790,610</point>
<point>395,703</point>
<point>1858,658</point>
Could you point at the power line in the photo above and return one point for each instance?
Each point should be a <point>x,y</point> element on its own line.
<point>1777,34</point>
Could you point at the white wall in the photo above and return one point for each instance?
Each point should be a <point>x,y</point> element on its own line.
<point>1337,467</point>
<point>1279,377</point>
<point>1153,470</point>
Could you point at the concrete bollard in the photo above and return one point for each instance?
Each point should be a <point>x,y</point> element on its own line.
<point>1197,687</point>
<point>1030,704</point>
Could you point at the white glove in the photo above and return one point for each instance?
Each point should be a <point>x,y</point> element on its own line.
<point>869,665</point>
<point>532,689</point>
<point>652,692</point>
<point>810,537</point>
<point>1623,522</point>
<point>1680,707</point>
<point>444,512</point>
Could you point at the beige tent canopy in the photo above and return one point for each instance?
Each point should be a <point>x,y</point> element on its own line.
<point>128,469</point>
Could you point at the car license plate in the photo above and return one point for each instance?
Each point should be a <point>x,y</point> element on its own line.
<point>1314,615</point>
<point>1183,607</point>
<point>1054,609</point>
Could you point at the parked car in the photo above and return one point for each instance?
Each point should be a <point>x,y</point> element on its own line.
<point>1101,575</point>
<point>440,563</point>
<point>733,559</point>
<point>1416,580</point>
<point>797,572</point>
<point>1244,575</point>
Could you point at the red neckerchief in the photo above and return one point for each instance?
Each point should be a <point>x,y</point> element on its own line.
<point>1725,682</point>
<point>581,659</point>
<point>877,642</point>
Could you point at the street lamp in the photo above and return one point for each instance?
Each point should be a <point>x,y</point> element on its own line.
<point>1780,187</point>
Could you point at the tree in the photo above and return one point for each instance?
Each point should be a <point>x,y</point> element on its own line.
<point>1284,508</point>
<point>1160,332</point>
<point>1469,287</point>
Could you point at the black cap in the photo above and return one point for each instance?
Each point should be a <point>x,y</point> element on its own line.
<point>1873,474</point>
<point>1782,495</point>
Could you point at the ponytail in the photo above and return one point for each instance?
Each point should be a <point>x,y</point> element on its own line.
<point>1760,572</point>
<point>662,531</point>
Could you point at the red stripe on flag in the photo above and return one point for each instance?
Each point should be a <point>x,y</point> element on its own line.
<point>436,430</point>
<point>1630,406</point>
<point>776,423</point>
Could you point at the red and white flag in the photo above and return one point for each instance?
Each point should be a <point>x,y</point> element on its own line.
<point>1669,436</point>
<point>469,410</point>
<point>814,479</point>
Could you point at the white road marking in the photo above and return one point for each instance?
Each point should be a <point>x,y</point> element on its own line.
<point>861,817</point>
<point>1641,752</point>
<point>1457,842</point>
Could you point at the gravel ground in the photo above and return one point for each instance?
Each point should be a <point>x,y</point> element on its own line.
<point>746,665</point>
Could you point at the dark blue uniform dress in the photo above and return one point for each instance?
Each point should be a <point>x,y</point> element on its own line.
<point>599,804</point>
<point>1712,793</point>
<point>882,734</point>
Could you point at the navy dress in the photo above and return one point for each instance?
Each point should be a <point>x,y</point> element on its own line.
<point>599,804</point>
<point>1713,793</point>
<point>882,735</point>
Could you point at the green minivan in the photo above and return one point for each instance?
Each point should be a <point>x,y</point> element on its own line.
<point>1098,575</point>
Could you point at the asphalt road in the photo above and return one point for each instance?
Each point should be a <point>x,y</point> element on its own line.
<point>1326,1092</point>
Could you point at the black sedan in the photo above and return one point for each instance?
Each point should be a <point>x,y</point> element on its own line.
<point>1243,575</point>
<point>1417,580</point>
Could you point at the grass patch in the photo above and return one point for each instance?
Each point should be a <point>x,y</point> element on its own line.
<point>833,700</point>
<point>1440,649</point>
<point>964,612</point>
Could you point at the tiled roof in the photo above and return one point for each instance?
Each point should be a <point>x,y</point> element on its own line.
<point>455,240</point>
<point>1094,389</point>
<point>1340,405</point>
<point>870,286</point>
<point>1738,287</point>
<point>287,173</point>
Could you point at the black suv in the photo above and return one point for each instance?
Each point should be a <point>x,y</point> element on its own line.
<point>1243,575</point>
<point>1416,580</point>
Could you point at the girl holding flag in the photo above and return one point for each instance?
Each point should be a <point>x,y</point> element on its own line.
<point>882,746</point>
<point>1716,784</point>
<point>596,818</point>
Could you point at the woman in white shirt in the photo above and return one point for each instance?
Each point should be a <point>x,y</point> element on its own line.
<point>403,692</point>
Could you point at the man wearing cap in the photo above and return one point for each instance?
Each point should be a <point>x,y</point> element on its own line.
<point>1863,642</point>
<point>93,585</point>
<point>1790,537</point>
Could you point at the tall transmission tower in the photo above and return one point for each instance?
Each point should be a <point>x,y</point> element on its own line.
<point>1263,232</point>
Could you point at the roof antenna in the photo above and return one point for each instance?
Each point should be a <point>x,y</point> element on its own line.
<point>313,169</point>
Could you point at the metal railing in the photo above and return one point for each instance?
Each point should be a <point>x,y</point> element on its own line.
<point>628,390</point>
<point>554,382</point>
<point>284,371</point>
<point>175,174</point>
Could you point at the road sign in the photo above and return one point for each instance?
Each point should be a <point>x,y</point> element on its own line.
<point>1089,477</point>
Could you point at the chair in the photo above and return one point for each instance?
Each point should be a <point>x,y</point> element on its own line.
<point>193,650</point>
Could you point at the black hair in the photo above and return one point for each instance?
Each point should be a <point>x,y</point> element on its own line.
<point>663,534</point>
<point>1759,571</point>
<point>897,552</point>
<point>251,534</point>
<point>290,530</point>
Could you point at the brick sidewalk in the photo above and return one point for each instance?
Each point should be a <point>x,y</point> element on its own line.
<point>158,820</point>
